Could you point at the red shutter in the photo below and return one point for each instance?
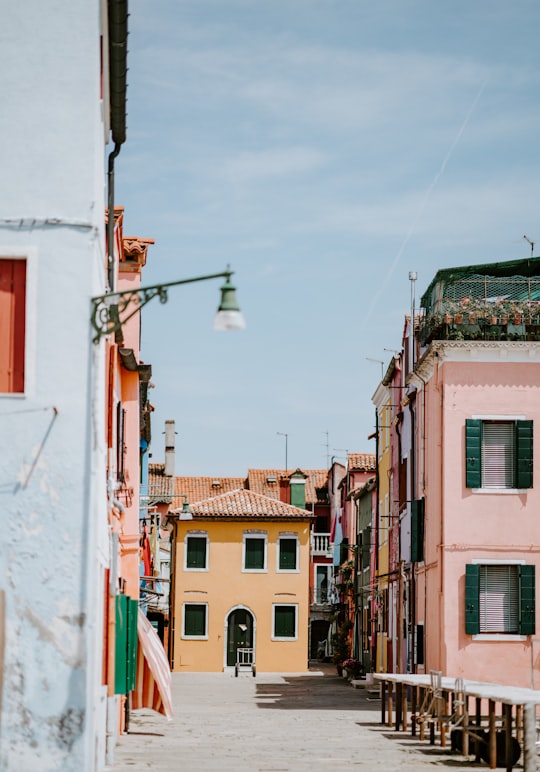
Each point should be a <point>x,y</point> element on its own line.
<point>12,325</point>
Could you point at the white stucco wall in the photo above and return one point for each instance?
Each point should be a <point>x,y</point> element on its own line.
<point>52,487</point>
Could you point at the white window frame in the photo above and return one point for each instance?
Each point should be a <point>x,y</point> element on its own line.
<point>194,637</point>
<point>329,574</point>
<point>29,254</point>
<point>196,535</point>
<point>512,637</point>
<point>254,534</point>
<point>278,554</point>
<point>275,637</point>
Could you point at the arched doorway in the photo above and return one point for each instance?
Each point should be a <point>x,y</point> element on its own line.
<point>240,635</point>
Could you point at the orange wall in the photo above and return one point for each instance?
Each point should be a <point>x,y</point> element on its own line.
<point>225,586</point>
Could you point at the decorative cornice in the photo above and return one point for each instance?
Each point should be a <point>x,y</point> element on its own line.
<point>472,351</point>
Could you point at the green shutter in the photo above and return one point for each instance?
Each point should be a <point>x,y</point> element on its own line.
<point>120,659</point>
<point>254,554</point>
<point>284,621</point>
<point>132,643</point>
<point>196,552</point>
<point>125,656</point>
<point>417,530</point>
<point>195,619</point>
<point>472,599</point>
<point>524,443</point>
<point>473,446</point>
<point>287,554</point>
<point>527,620</point>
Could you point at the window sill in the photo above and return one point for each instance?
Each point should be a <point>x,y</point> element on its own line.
<point>285,638</point>
<point>254,570</point>
<point>513,491</point>
<point>507,637</point>
<point>197,570</point>
<point>194,637</point>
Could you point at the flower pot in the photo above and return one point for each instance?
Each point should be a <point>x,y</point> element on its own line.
<point>458,318</point>
<point>518,318</point>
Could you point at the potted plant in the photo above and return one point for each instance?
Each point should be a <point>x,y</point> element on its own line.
<point>340,645</point>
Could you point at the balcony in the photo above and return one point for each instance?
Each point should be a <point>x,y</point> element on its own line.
<point>320,545</point>
<point>482,308</point>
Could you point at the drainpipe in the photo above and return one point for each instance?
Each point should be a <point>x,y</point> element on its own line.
<point>118,33</point>
<point>110,218</point>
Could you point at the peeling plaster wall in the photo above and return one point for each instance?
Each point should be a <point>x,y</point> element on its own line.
<point>52,488</point>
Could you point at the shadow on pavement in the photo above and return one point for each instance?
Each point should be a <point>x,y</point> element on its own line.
<point>329,692</point>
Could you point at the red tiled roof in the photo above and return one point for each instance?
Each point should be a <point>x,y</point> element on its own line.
<point>261,481</point>
<point>199,488</point>
<point>245,505</point>
<point>160,486</point>
<point>362,462</point>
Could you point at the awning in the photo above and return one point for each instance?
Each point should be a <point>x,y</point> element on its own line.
<point>153,684</point>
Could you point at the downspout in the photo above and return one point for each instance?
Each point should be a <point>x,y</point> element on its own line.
<point>118,33</point>
<point>110,218</point>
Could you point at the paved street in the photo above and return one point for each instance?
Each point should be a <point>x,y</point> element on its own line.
<point>273,723</point>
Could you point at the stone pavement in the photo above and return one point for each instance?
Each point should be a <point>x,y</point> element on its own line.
<point>274,723</point>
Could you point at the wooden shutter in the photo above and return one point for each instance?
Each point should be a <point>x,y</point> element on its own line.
<point>524,452</point>
<point>284,621</point>
<point>120,441</point>
<point>417,530</point>
<point>12,325</point>
<point>472,599</point>
<point>254,553</point>
<point>196,552</point>
<point>498,454</point>
<point>287,554</point>
<point>419,644</point>
<point>132,643</point>
<point>473,439</point>
<point>527,620</point>
<point>195,619</point>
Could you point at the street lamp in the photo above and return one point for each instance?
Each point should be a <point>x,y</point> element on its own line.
<point>111,311</point>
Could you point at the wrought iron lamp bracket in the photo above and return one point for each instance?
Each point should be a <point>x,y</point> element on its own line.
<point>111,311</point>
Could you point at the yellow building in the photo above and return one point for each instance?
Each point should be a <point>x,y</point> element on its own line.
<point>240,580</point>
<point>383,403</point>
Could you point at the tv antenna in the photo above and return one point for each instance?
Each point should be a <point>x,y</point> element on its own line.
<point>531,244</point>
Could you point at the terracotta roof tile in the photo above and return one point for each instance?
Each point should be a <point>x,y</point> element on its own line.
<point>246,505</point>
<point>160,486</point>
<point>199,488</point>
<point>363,462</point>
<point>262,481</point>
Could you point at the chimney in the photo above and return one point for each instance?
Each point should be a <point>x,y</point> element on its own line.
<point>169,448</point>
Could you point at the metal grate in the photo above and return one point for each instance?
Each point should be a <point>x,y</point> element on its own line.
<point>486,294</point>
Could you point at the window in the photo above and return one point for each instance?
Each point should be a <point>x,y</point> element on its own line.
<point>288,553</point>
<point>285,622</point>
<point>323,580</point>
<point>417,530</point>
<point>195,620</point>
<point>254,552</point>
<point>499,454</point>
<point>500,598</point>
<point>120,442</point>
<point>12,325</point>
<point>196,552</point>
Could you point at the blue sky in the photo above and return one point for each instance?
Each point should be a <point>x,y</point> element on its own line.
<point>323,148</point>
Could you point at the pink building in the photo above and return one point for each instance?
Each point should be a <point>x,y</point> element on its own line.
<point>475,538</point>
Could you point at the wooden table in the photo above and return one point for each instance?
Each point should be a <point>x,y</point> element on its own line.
<point>431,695</point>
